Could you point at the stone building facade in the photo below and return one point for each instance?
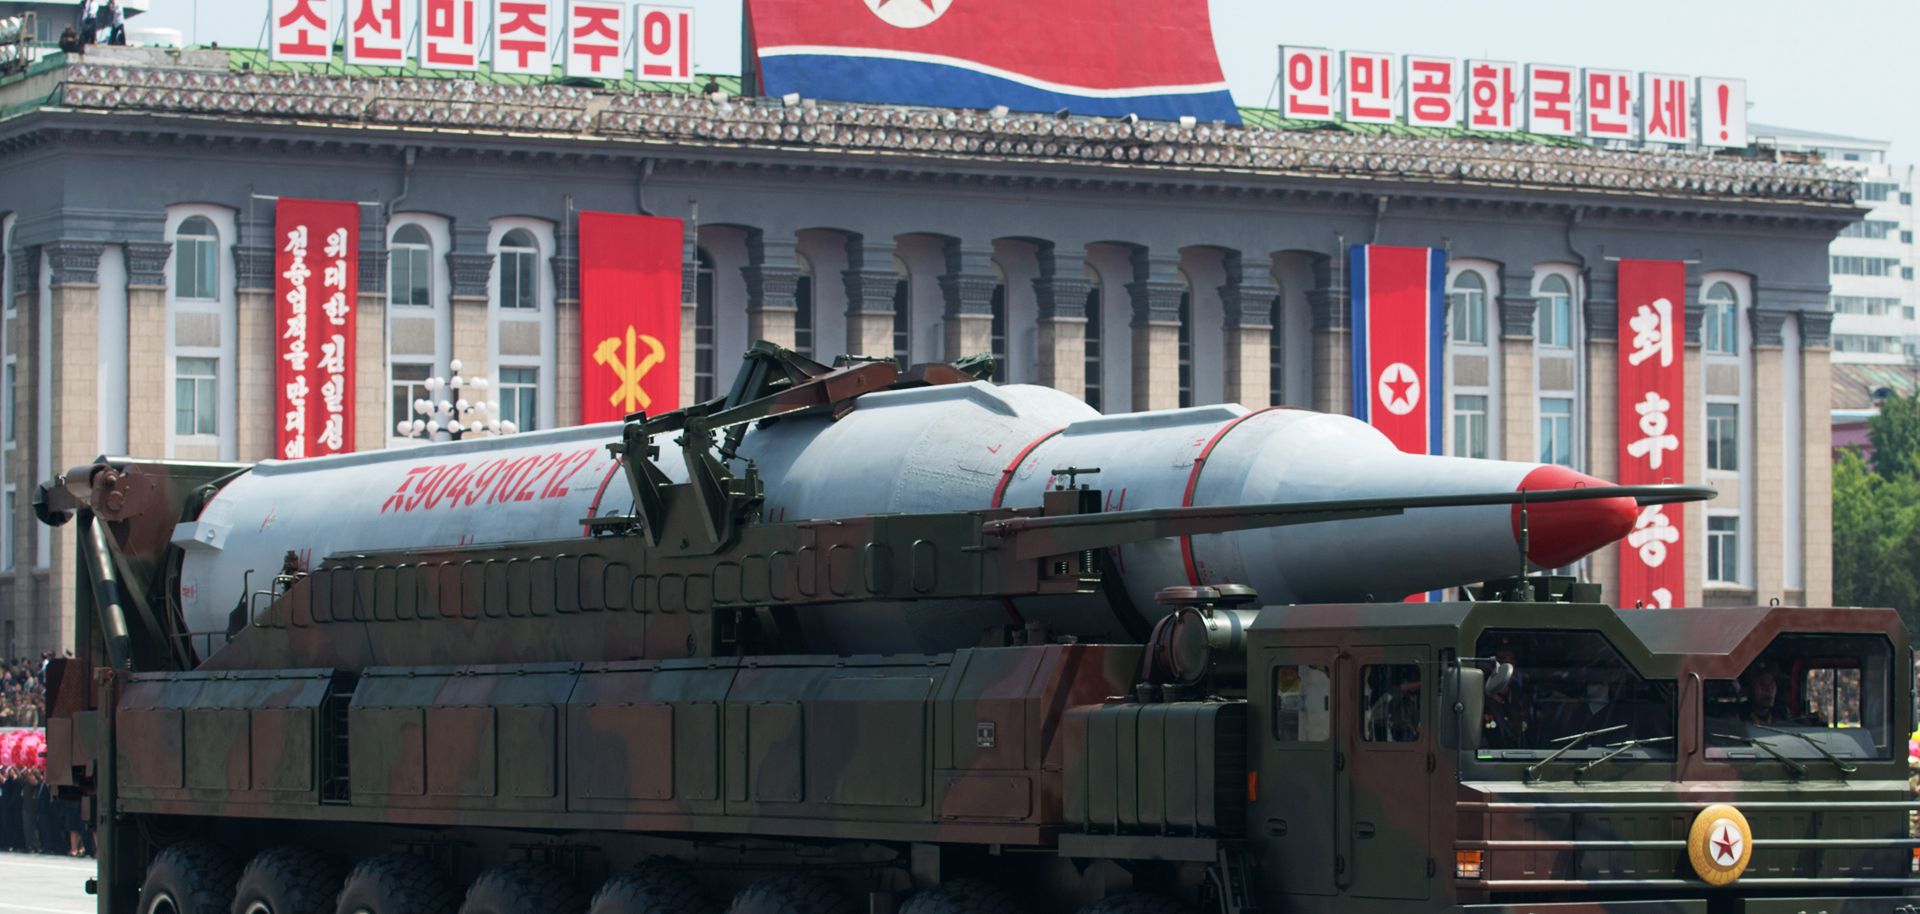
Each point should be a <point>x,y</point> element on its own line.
<point>1141,266</point>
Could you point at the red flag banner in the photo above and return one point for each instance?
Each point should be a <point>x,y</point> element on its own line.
<point>316,259</point>
<point>1399,315</point>
<point>1653,428</point>
<point>629,315</point>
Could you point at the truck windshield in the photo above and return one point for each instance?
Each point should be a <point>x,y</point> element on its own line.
<point>1565,684</point>
<point>1804,697</point>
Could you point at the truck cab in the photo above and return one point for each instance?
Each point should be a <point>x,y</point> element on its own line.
<point>1536,757</point>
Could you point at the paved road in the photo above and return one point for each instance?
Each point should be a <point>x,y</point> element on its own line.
<point>44,885</point>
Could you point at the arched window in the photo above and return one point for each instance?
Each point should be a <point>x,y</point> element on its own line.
<point>1467,299</point>
<point>1555,316</point>
<point>902,314</point>
<point>1186,340</point>
<point>997,341</point>
<point>410,268</point>
<point>803,309</point>
<point>1096,326</point>
<point>703,328</point>
<point>1720,331</point>
<point>196,260</point>
<point>519,270</point>
<point>1276,350</point>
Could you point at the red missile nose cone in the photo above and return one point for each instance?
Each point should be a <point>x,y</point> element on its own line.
<point>1560,532</point>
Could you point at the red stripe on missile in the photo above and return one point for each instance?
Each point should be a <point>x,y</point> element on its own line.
<point>1558,533</point>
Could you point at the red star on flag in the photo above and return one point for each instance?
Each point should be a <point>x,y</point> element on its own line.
<point>1400,388</point>
<point>928,3</point>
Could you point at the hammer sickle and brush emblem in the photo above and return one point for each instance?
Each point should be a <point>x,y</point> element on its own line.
<point>629,396</point>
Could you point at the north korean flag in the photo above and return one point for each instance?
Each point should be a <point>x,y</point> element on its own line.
<point>1092,57</point>
<point>1399,346</point>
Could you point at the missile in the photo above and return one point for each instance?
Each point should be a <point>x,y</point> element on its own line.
<point>943,448</point>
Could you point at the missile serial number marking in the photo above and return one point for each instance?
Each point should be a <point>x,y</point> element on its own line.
<point>497,481</point>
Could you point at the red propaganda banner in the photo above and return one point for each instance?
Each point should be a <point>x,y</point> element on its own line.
<point>315,262</point>
<point>1653,429</point>
<point>629,315</point>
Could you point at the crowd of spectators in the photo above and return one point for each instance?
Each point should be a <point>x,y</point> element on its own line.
<point>101,22</point>
<point>32,818</point>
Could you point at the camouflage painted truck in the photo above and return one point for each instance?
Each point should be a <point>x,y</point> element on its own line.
<point>722,658</point>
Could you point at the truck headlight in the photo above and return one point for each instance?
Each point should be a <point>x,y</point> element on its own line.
<point>1467,864</point>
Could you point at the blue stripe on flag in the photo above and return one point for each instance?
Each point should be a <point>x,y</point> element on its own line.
<point>1357,309</point>
<point>1437,398</point>
<point>908,82</point>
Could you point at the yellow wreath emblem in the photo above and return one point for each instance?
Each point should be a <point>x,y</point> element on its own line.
<point>1720,844</point>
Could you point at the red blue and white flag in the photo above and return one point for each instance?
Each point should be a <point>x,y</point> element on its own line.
<point>1399,346</point>
<point>1092,57</point>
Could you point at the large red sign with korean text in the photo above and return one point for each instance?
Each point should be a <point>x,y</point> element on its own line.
<point>1653,432</point>
<point>315,264</point>
<point>629,315</point>
<point>302,30</point>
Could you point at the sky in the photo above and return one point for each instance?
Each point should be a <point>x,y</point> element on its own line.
<point>1836,66</point>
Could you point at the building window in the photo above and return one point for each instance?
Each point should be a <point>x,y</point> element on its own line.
<point>1096,319</point>
<point>410,268</point>
<point>902,320</point>
<point>1723,436</point>
<point>703,329</point>
<point>1470,425</point>
<point>1555,317</point>
<point>195,396</point>
<point>1556,431</point>
<point>519,270</point>
<point>803,310</point>
<point>1468,302</point>
<point>1186,346</point>
<point>1723,549</point>
<point>519,397</point>
<point>1276,353</point>
<point>409,386</point>
<point>997,341</point>
<point>7,504</point>
<point>6,400</point>
<point>1864,266</point>
<point>1720,329</point>
<point>196,260</point>
<point>1870,228</point>
<point>1877,190</point>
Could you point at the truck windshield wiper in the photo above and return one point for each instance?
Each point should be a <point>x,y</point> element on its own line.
<point>1845,768</point>
<point>1617,748</point>
<point>1572,742</point>
<point>1799,770</point>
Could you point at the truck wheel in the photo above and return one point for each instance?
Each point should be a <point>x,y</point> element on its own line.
<point>791,895</point>
<point>1138,903</point>
<point>397,884</point>
<point>651,889</point>
<point>523,888</point>
<point>287,880</point>
<point>961,896</point>
<point>191,877</point>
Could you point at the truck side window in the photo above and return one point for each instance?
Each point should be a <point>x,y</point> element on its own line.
<point>1390,703</point>
<point>1302,703</point>
<point>1832,696</point>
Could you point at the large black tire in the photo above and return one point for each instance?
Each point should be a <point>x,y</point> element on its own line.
<point>651,889</point>
<point>288,880</point>
<point>523,888</point>
<point>791,895</point>
<point>191,877</point>
<point>961,896</point>
<point>397,884</point>
<point>1138,903</point>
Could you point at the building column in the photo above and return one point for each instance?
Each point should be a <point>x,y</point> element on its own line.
<point>1768,427</point>
<point>967,287</point>
<point>22,336</point>
<point>1060,333</point>
<point>1156,291</point>
<point>1330,322</point>
<point>74,399</point>
<point>1695,428</point>
<point>146,391</point>
<point>870,282</point>
<point>772,280</point>
<point>1248,298</point>
<point>1601,316</point>
<point>256,347</point>
<point>1816,424</point>
<point>374,424</point>
<point>1519,402</point>
<point>470,265</point>
<point>689,310</point>
<point>566,335</point>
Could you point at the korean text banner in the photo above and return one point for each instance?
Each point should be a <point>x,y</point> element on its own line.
<point>1399,311</point>
<point>629,315</point>
<point>316,258</point>
<point>1653,428</point>
<point>1091,57</point>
